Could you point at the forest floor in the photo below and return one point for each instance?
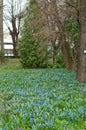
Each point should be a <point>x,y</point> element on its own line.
<point>40,99</point>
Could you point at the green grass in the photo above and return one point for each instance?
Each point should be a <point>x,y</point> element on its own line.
<point>10,63</point>
<point>40,99</point>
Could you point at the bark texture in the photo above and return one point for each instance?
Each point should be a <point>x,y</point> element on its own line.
<point>81,74</point>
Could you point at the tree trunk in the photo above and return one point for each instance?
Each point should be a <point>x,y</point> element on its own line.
<point>67,57</point>
<point>75,56</point>
<point>81,73</point>
<point>15,52</point>
<point>54,52</point>
<point>14,39</point>
<point>65,47</point>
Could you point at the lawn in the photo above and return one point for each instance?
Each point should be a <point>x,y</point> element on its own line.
<point>41,99</point>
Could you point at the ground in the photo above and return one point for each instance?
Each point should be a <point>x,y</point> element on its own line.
<point>40,99</point>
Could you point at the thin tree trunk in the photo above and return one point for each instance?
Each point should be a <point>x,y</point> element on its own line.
<point>75,57</point>
<point>54,52</point>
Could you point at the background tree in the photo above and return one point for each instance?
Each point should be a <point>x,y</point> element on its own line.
<point>63,24</point>
<point>55,18</point>
<point>73,30</point>
<point>49,27</point>
<point>13,13</point>
<point>28,46</point>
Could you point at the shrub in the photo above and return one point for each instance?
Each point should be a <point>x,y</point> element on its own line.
<point>29,55</point>
<point>60,62</point>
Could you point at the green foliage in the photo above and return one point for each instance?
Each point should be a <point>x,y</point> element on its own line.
<point>28,46</point>
<point>42,99</point>
<point>59,62</point>
<point>30,57</point>
<point>73,28</point>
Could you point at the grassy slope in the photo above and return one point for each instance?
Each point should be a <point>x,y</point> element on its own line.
<point>42,99</point>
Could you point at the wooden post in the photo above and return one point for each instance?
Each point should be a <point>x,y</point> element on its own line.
<point>1,25</point>
<point>1,31</point>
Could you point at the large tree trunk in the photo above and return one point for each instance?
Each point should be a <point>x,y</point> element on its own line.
<point>81,74</point>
